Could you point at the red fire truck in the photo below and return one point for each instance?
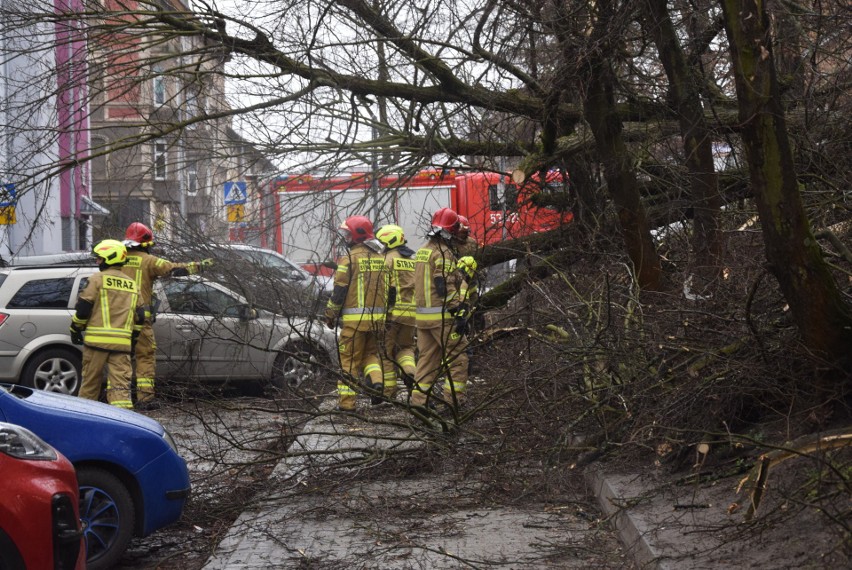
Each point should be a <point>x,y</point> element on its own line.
<point>312,207</point>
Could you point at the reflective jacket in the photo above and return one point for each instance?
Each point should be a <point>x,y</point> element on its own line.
<point>439,287</point>
<point>400,260</point>
<point>145,268</point>
<point>106,309</point>
<point>360,295</point>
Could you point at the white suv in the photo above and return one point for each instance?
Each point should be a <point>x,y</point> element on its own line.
<point>205,333</point>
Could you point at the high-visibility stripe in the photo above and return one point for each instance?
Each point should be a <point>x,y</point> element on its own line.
<point>345,390</point>
<point>362,317</point>
<point>90,339</point>
<point>126,404</point>
<point>423,256</point>
<point>109,331</point>
<point>371,368</point>
<point>459,387</point>
<point>437,317</point>
<point>363,310</point>
<point>429,310</point>
<point>144,382</point>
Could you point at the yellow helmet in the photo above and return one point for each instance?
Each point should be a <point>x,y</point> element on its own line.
<point>391,235</point>
<point>113,252</point>
<point>467,265</point>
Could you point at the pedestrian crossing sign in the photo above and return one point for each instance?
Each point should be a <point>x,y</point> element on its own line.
<point>235,193</point>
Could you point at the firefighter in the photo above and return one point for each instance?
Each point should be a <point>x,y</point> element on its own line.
<point>107,311</point>
<point>144,268</point>
<point>441,314</point>
<point>359,300</point>
<point>465,243</point>
<point>399,340</point>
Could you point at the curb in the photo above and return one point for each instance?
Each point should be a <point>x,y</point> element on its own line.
<point>628,526</point>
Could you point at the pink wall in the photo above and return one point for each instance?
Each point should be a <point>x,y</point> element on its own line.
<point>72,107</point>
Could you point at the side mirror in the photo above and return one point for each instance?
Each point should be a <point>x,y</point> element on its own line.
<point>246,313</point>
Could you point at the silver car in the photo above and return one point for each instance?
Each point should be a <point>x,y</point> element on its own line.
<point>205,333</point>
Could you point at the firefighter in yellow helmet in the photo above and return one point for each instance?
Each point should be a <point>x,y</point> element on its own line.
<point>359,300</point>
<point>107,311</point>
<point>144,268</point>
<point>400,330</point>
<point>440,293</point>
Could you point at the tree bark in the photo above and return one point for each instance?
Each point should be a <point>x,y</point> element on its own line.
<point>795,259</point>
<point>603,119</point>
<point>697,142</point>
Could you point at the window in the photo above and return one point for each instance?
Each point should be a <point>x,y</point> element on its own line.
<point>200,299</point>
<point>192,108</point>
<point>43,294</point>
<point>508,200</point>
<point>160,150</point>
<point>192,178</point>
<point>159,86</point>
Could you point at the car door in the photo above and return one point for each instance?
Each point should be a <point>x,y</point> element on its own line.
<point>200,332</point>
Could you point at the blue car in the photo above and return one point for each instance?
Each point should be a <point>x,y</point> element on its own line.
<point>132,479</point>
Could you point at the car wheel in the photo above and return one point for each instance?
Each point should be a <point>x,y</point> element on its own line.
<point>301,373</point>
<point>54,370</point>
<point>106,510</point>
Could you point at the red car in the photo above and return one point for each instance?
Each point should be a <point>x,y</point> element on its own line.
<point>39,511</point>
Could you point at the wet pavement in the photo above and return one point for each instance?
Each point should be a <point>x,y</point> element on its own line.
<point>417,522</point>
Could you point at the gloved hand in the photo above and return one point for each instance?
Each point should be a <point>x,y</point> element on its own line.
<point>460,318</point>
<point>330,322</point>
<point>460,324</point>
<point>76,335</point>
<point>467,265</point>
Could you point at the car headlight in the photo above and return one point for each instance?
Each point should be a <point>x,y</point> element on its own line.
<point>20,442</point>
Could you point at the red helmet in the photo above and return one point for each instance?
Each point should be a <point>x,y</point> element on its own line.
<point>445,219</point>
<point>140,233</point>
<point>464,228</point>
<point>356,229</point>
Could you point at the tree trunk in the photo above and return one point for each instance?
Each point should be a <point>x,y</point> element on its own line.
<point>697,142</point>
<point>603,119</point>
<point>822,317</point>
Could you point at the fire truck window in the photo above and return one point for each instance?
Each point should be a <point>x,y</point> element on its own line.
<point>509,199</point>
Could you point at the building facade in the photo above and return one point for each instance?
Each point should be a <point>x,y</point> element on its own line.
<point>158,156</point>
<point>45,204</point>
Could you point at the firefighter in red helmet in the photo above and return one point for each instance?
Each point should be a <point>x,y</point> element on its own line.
<point>465,244</point>
<point>359,301</point>
<point>441,296</point>
<point>144,268</point>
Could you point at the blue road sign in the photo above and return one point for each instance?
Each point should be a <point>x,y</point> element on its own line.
<point>8,195</point>
<point>235,193</point>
